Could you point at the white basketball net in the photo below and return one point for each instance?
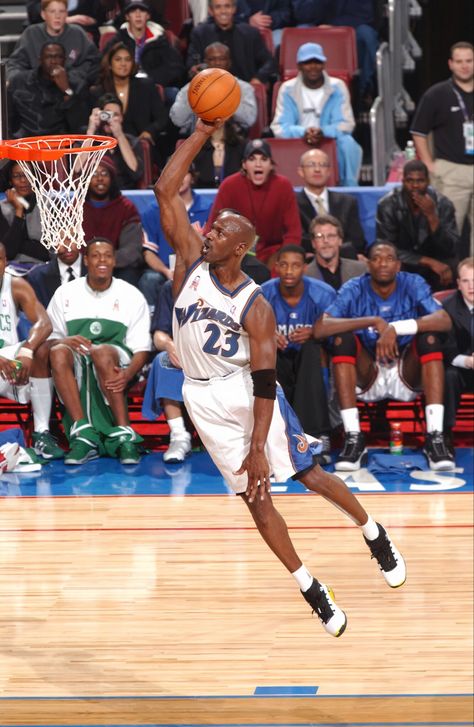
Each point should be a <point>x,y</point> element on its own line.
<point>61,185</point>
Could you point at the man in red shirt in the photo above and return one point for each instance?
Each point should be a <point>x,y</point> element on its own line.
<point>267,199</point>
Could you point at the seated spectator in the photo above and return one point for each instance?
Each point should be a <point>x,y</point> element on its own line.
<point>89,14</point>
<point>251,60</point>
<point>421,223</point>
<point>108,212</point>
<point>156,250</point>
<point>150,48</point>
<point>387,347</point>
<point>216,55</point>
<point>82,56</point>
<point>459,351</point>
<point>265,198</point>
<point>107,119</point>
<point>93,367</point>
<point>220,157</point>
<point>144,113</point>
<point>314,105</point>
<point>31,381</point>
<point>327,264</point>
<point>262,14</point>
<point>65,266</point>
<point>163,391</point>
<point>298,302</point>
<point>42,102</point>
<point>20,221</point>
<point>365,16</point>
<point>316,199</point>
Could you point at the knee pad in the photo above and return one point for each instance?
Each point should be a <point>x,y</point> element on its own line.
<point>428,347</point>
<point>344,348</point>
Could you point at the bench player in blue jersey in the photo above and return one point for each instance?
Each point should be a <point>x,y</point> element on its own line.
<point>297,302</point>
<point>386,345</point>
<point>224,331</point>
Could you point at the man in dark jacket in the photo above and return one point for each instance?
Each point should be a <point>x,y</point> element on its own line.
<point>66,266</point>
<point>421,224</point>
<point>42,102</point>
<point>149,46</point>
<point>316,199</point>
<point>459,350</point>
<point>251,60</point>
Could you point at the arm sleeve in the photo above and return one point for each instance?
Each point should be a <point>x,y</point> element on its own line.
<point>138,331</point>
<point>16,241</point>
<point>424,298</point>
<point>163,314</point>
<point>56,317</point>
<point>130,250</point>
<point>246,114</point>
<point>340,307</point>
<point>180,113</point>
<point>340,118</point>
<point>285,121</point>
<point>292,230</point>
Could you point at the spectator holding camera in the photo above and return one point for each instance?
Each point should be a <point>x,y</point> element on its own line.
<point>107,119</point>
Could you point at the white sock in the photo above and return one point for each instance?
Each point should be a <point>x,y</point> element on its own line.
<point>370,529</point>
<point>434,414</point>
<point>177,426</point>
<point>41,393</point>
<point>303,578</point>
<point>350,419</point>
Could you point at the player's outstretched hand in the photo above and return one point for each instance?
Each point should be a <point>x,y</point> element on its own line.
<point>258,474</point>
<point>209,127</point>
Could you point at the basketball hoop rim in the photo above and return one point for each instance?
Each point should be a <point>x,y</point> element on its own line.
<point>13,149</point>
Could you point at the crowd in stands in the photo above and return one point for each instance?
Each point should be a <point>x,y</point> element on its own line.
<point>356,319</point>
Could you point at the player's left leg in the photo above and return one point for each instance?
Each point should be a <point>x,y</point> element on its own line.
<point>333,489</point>
<point>422,364</point>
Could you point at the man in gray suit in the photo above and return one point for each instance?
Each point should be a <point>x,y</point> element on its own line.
<point>326,238</point>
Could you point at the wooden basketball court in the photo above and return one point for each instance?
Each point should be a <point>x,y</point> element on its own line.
<point>170,610</point>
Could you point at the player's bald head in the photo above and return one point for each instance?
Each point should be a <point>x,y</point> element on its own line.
<point>236,223</point>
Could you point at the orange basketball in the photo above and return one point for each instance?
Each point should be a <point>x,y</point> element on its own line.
<point>214,93</point>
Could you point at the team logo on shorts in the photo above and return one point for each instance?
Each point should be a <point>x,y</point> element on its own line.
<point>95,328</point>
<point>302,445</point>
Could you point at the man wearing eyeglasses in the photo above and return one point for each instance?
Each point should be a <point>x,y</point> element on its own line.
<point>316,199</point>
<point>328,265</point>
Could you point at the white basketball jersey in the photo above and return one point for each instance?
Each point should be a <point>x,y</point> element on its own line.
<point>208,324</point>
<point>8,314</point>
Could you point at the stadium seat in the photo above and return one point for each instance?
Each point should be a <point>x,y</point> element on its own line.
<point>338,42</point>
<point>176,12</point>
<point>267,38</point>
<point>441,295</point>
<point>287,152</point>
<point>147,178</point>
<point>262,112</point>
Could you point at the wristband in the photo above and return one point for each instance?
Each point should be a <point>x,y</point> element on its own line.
<point>25,352</point>
<point>264,383</point>
<point>405,328</point>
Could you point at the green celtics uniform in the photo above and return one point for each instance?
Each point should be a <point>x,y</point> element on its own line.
<point>118,316</point>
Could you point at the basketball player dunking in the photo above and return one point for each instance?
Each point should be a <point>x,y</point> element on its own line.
<point>224,331</point>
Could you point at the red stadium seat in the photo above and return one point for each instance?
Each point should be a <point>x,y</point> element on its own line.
<point>441,295</point>
<point>287,152</point>
<point>262,112</point>
<point>267,38</point>
<point>147,178</point>
<point>339,44</point>
<point>176,12</point>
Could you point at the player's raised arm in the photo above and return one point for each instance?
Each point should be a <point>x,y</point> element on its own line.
<point>173,216</point>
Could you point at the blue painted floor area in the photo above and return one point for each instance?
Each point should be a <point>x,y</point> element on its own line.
<point>199,476</point>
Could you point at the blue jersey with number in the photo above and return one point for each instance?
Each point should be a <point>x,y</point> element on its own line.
<point>316,298</point>
<point>412,298</point>
<point>208,324</point>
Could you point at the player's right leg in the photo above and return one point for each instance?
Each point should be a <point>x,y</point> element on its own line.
<point>272,527</point>
<point>353,366</point>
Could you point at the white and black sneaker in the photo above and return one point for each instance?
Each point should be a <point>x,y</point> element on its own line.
<point>321,600</point>
<point>390,560</point>
<point>440,457</point>
<point>354,453</point>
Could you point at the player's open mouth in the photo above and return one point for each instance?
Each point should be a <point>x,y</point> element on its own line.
<point>205,248</point>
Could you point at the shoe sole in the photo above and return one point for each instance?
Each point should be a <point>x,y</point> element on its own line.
<point>48,456</point>
<point>129,461</point>
<point>353,466</point>
<point>75,462</point>
<point>445,466</point>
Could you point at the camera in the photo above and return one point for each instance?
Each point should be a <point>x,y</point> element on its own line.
<point>105,115</point>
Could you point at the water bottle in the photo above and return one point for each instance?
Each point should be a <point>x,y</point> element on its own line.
<point>396,438</point>
<point>410,151</point>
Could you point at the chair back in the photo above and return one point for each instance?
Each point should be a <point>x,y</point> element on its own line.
<point>287,152</point>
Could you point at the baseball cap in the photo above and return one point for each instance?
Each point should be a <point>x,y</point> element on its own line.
<point>257,146</point>
<point>309,52</point>
<point>132,4</point>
